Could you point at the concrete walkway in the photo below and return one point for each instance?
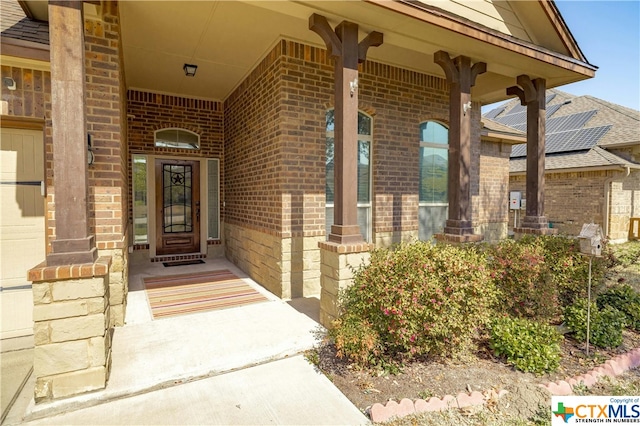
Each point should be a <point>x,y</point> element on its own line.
<point>233,366</point>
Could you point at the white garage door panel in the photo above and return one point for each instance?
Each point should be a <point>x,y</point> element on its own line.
<point>22,226</point>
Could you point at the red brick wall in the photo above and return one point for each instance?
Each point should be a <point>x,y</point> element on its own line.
<point>571,199</point>
<point>253,151</point>
<point>149,112</point>
<point>106,115</point>
<point>492,192</point>
<point>399,100</point>
<point>275,141</point>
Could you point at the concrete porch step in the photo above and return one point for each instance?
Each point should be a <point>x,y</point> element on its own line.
<point>168,352</point>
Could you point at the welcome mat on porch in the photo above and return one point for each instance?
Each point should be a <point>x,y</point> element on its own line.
<point>182,262</point>
<point>205,291</point>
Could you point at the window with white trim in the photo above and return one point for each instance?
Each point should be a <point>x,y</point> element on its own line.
<point>140,212</point>
<point>364,173</point>
<point>434,175</point>
<point>176,138</point>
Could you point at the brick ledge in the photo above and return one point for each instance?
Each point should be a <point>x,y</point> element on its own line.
<point>42,272</point>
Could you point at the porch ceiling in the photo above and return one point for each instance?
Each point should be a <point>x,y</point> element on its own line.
<point>226,39</point>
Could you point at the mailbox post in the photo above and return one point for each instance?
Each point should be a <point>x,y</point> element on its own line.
<point>591,241</point>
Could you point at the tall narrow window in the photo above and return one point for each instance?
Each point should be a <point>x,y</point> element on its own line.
<point>213,198</point>
<point>364,173</point>
<point>140,215</point>
<point>434,166</point>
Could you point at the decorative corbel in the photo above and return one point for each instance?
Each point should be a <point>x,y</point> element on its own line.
<point>320,25</point>
<point>531,89</point>
<point>443,59</point>
<point>477,69</point>
<point>373,39</point>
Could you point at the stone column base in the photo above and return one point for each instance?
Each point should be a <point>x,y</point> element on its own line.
<point>336,263</point>
<point>72,332</point>
<point>457,239</point>
<point>521,232</point>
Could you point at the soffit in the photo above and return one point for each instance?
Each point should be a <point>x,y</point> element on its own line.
<point>227,39</point>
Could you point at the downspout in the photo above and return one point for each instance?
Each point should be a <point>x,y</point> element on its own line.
<point>607,203</point>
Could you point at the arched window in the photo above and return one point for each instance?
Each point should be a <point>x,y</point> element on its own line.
<point>434,168</point>
<point>176,138</point>
<point>364,173</point>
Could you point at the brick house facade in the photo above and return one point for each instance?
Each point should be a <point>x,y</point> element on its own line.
<point>259,156</point>
<point>590,180</point>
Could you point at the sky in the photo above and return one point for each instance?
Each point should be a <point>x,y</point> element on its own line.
<point>608,33</point>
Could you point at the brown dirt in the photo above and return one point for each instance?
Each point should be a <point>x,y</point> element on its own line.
<point>481,372</point>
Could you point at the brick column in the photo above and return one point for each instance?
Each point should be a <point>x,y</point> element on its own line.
<point>336,263</point>
<point>461,76</point>
<point>72,335</point>
<point>532,93</point>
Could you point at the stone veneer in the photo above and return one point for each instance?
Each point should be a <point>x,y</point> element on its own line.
<point>72,328</point>
<point>288,267</point>
<point>337,263</point>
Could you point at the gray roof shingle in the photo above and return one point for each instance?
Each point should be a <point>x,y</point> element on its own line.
<point>15,24</point>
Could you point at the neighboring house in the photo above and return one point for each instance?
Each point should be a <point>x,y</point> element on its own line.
<point>148,158</point>
<point>592,162</point>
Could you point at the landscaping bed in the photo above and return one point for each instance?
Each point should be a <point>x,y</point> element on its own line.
<point>429,375</point>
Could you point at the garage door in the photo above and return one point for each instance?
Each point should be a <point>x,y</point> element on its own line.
<point>22,226</point>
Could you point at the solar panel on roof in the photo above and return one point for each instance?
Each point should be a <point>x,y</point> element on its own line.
<point>558,141</point>
<point>586,138</point>
<point>576,121</point>
<point>571,140</point>
<point>513,119</point>
<point>517,109</point>
<point>519,150</point>
<point>552,109</point>
<point>494,112</point>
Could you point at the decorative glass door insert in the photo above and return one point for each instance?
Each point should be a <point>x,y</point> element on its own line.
<point>178,221</point>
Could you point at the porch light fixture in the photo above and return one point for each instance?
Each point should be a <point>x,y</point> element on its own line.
<point>190,70</point>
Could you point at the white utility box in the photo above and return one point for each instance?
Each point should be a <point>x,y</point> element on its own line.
<point>514,200</point>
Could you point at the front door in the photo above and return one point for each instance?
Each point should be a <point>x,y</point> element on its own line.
<point>177,207</point>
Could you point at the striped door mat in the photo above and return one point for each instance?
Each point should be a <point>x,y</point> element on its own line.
<point>205,291</point>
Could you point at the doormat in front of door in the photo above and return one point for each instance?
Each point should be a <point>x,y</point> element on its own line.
<point>191,293</point>
<point>182,262</point>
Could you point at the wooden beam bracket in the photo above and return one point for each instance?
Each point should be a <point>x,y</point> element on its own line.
<point>373,39</point>
<point>319,25</point>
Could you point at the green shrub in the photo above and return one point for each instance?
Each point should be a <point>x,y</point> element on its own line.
<point>527,345</point>
<point>569,269</point>
<point>523,279</point>
<point>624,299</point>
<point>628,253</point>
<point>605,328</point>
<point>418,299</point>
<point>355,339</point>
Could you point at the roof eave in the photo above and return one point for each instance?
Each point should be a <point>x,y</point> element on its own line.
<point>619,167</point>
<point>501,137</point>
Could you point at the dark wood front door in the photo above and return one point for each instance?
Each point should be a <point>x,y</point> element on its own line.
<point>177,207</point>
